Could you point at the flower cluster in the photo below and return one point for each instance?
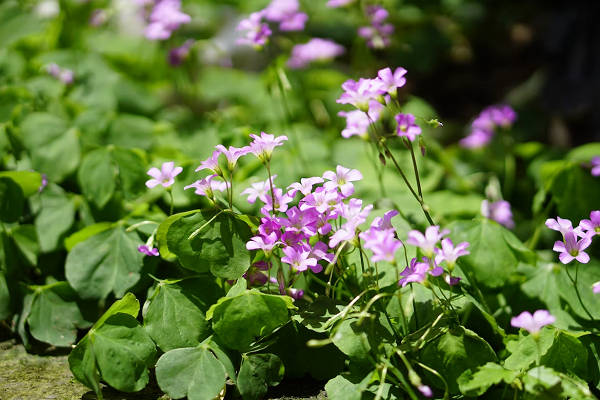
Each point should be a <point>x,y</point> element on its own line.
<point>434,256</point>
<point>369,97</point>
<point>482,128</point>
<point>64,75</point>
<point>381,239</point>
<point>165,18</point>
<point>575,240</point>
<point>498,211</point>
<point>285,12</point>
<point>379,32</point>
<point>316,49</point>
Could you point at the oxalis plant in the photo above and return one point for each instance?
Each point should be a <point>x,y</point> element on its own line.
<point>264,279</point>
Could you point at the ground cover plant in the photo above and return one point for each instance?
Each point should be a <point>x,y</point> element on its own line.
<point>213,197</point>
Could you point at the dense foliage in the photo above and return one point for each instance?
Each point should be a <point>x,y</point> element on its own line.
<point>216,196</point>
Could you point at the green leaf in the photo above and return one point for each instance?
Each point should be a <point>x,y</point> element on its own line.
<point>477,383</point>
<point>257,373</point>
<point>352,339</point>
<point>131,131</point>
<point>108,261</point>
<point>55,315</point>
<point>317,313</point>
<point>545,383</point>
<point>29,181</point>
<point>574,190</point>
<point>97,175</point>
<point>127,305</point>
<point>340,388</point>
<point>163,229</point>
<point>5,309</point>
<point>219,246</point>
<point>239,321</point>
<point>53,146</point>
<point>86,233</point>
<point>193,372</point>
<point>495,251</point>
<point>580,297</point>
<point>454,352</point>
<point>524,351</point>
<point>11,200</point>
<point>121,351</point>
<point>56,216</point>
<point>131,168</point>
<point>176,315</point>
<point>26,241</point>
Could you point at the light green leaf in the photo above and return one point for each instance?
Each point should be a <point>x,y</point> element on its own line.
<point>29,181</point>
<point>478,382</point>
<point>193,372</point>
<point>108,261</point>
<point>97,175</point>
<point>257,373</point>
<point>86,233</point>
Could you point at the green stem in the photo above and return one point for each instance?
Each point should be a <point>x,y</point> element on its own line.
<point>574,281</point>
<point>171,198</point>
<point>268,165</point>
<point>414,162</point>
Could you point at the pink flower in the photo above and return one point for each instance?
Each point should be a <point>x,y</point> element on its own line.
<point>595,162</point>
<point>64,75</point>
<point>563,226</point>
<point>149,251</point>
<point>572,249</point>
<point>476,139</point>
<point>299,259</point>
<point>360,93</point>
<point>206,186</point>
<point>256,32</point>
<point>417,271</point>
<point>428,241</point>
<point>407,126</point>
<point>165,176</point>
<point>166,17</point>
<point>449,253</point>
<point>316,49</point>
<point>232,154</point>
<point>596,287</point>
<point>211,163</point>
<point>263,145</point>
<point>259,190</point>
<point>533,323</point>
<point>378,34</point>
<point>304,186</point>
<point>499,211</point>
<point>342,178</point>
<point>425,390</point>
<point>382,243</point>
<point>264,243</point>
<point>287,13</point>
<point>392,81</point>
<point>592,225</point>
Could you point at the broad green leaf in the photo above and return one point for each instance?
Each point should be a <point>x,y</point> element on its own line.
<point>5,309</point>
<point>119,351</point>
<point>580,297</point>
<point>131,168</point>
<point>454,352</point>
<point>26,241</point>
<point>525,351</point>
<point>352,339</point>
<point>478,382</point>
<point>53,146</point>
<point>86,233</point>
<point>17,23</point>
<point>219,246</point>
<point>545,383</point>
<point>127,305</point>
<point>239,321</point>
<point>574,190</point>
<point>56,216</point>
<point>584,153</point>
<point>340,388</point>
<point>104,263</point>
<point>495,251</point>
<point>11,200</point>
<point>317,313</point>
<point>240,287</point>
<point>131,131</point>
<point>447,203</point>
<point>257,373</point>
<point>97,175</point>
<point>29,181</point>
<point>176,315</point>
<point>163,229</point>
<point>193,372</point>
<point>55,315</point>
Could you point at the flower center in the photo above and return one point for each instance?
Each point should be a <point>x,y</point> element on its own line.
<point>574,252</point>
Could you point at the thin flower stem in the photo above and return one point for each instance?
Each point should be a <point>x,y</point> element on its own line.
<point>171,198</point>
<point>268,165</point>
<point>414,162</point>
<point>197,231</point>
<point>574,282</point>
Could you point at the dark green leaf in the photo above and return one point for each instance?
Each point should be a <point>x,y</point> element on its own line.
<point>55,218</point>
<point>26,241</point>
<point>29,181</point>
<point>132,171</point>
<point>97,175</point>
<point>11,200</point>
<point>257,373</point>
<point>5,309</point>
<point>108,261</point>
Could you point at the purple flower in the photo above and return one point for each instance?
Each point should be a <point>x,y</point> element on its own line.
<point>425,390</point>
<point>563,226</point>
<point>392,81</point>
<point>295,293</point>
<point>165,18</point>
<point>165,176</point>
<point>360,93</point>
<point>384,222</point>
<point>498,211</point>
<point>44,183</point>
<point>321,200</point>
<point>206,186</point>
<point>259,190</point>
<point>281,201</point>
<point>211,163</point>
<point>532,323</point>
<point>232,154</point>
<point>299,259</point>
<point>595,162</point>
<point>596,287</point>
<point>256,273</point>
<point>304,186</point>
<point>428,241</point>
<point>378,34</point>
<point>417,271</point>
<point>316,49</point>
<point>256,32</point>
<point>449,253</point>
<point>358,122</point>
<point>149,251</point>
<point>452,280</point>
<point>503,115</point>
<point>382,243</point>
<point>264,243</point>
<point>342,178</point>
<point>179,54</point>
<point>476,139</point>
<point>263,145</point>
<point>572,249</point>
<point>592,225</point>
<point>338,3</point>
<point>407,127</point>
<point>287,13</point>
<point>64,75</point>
